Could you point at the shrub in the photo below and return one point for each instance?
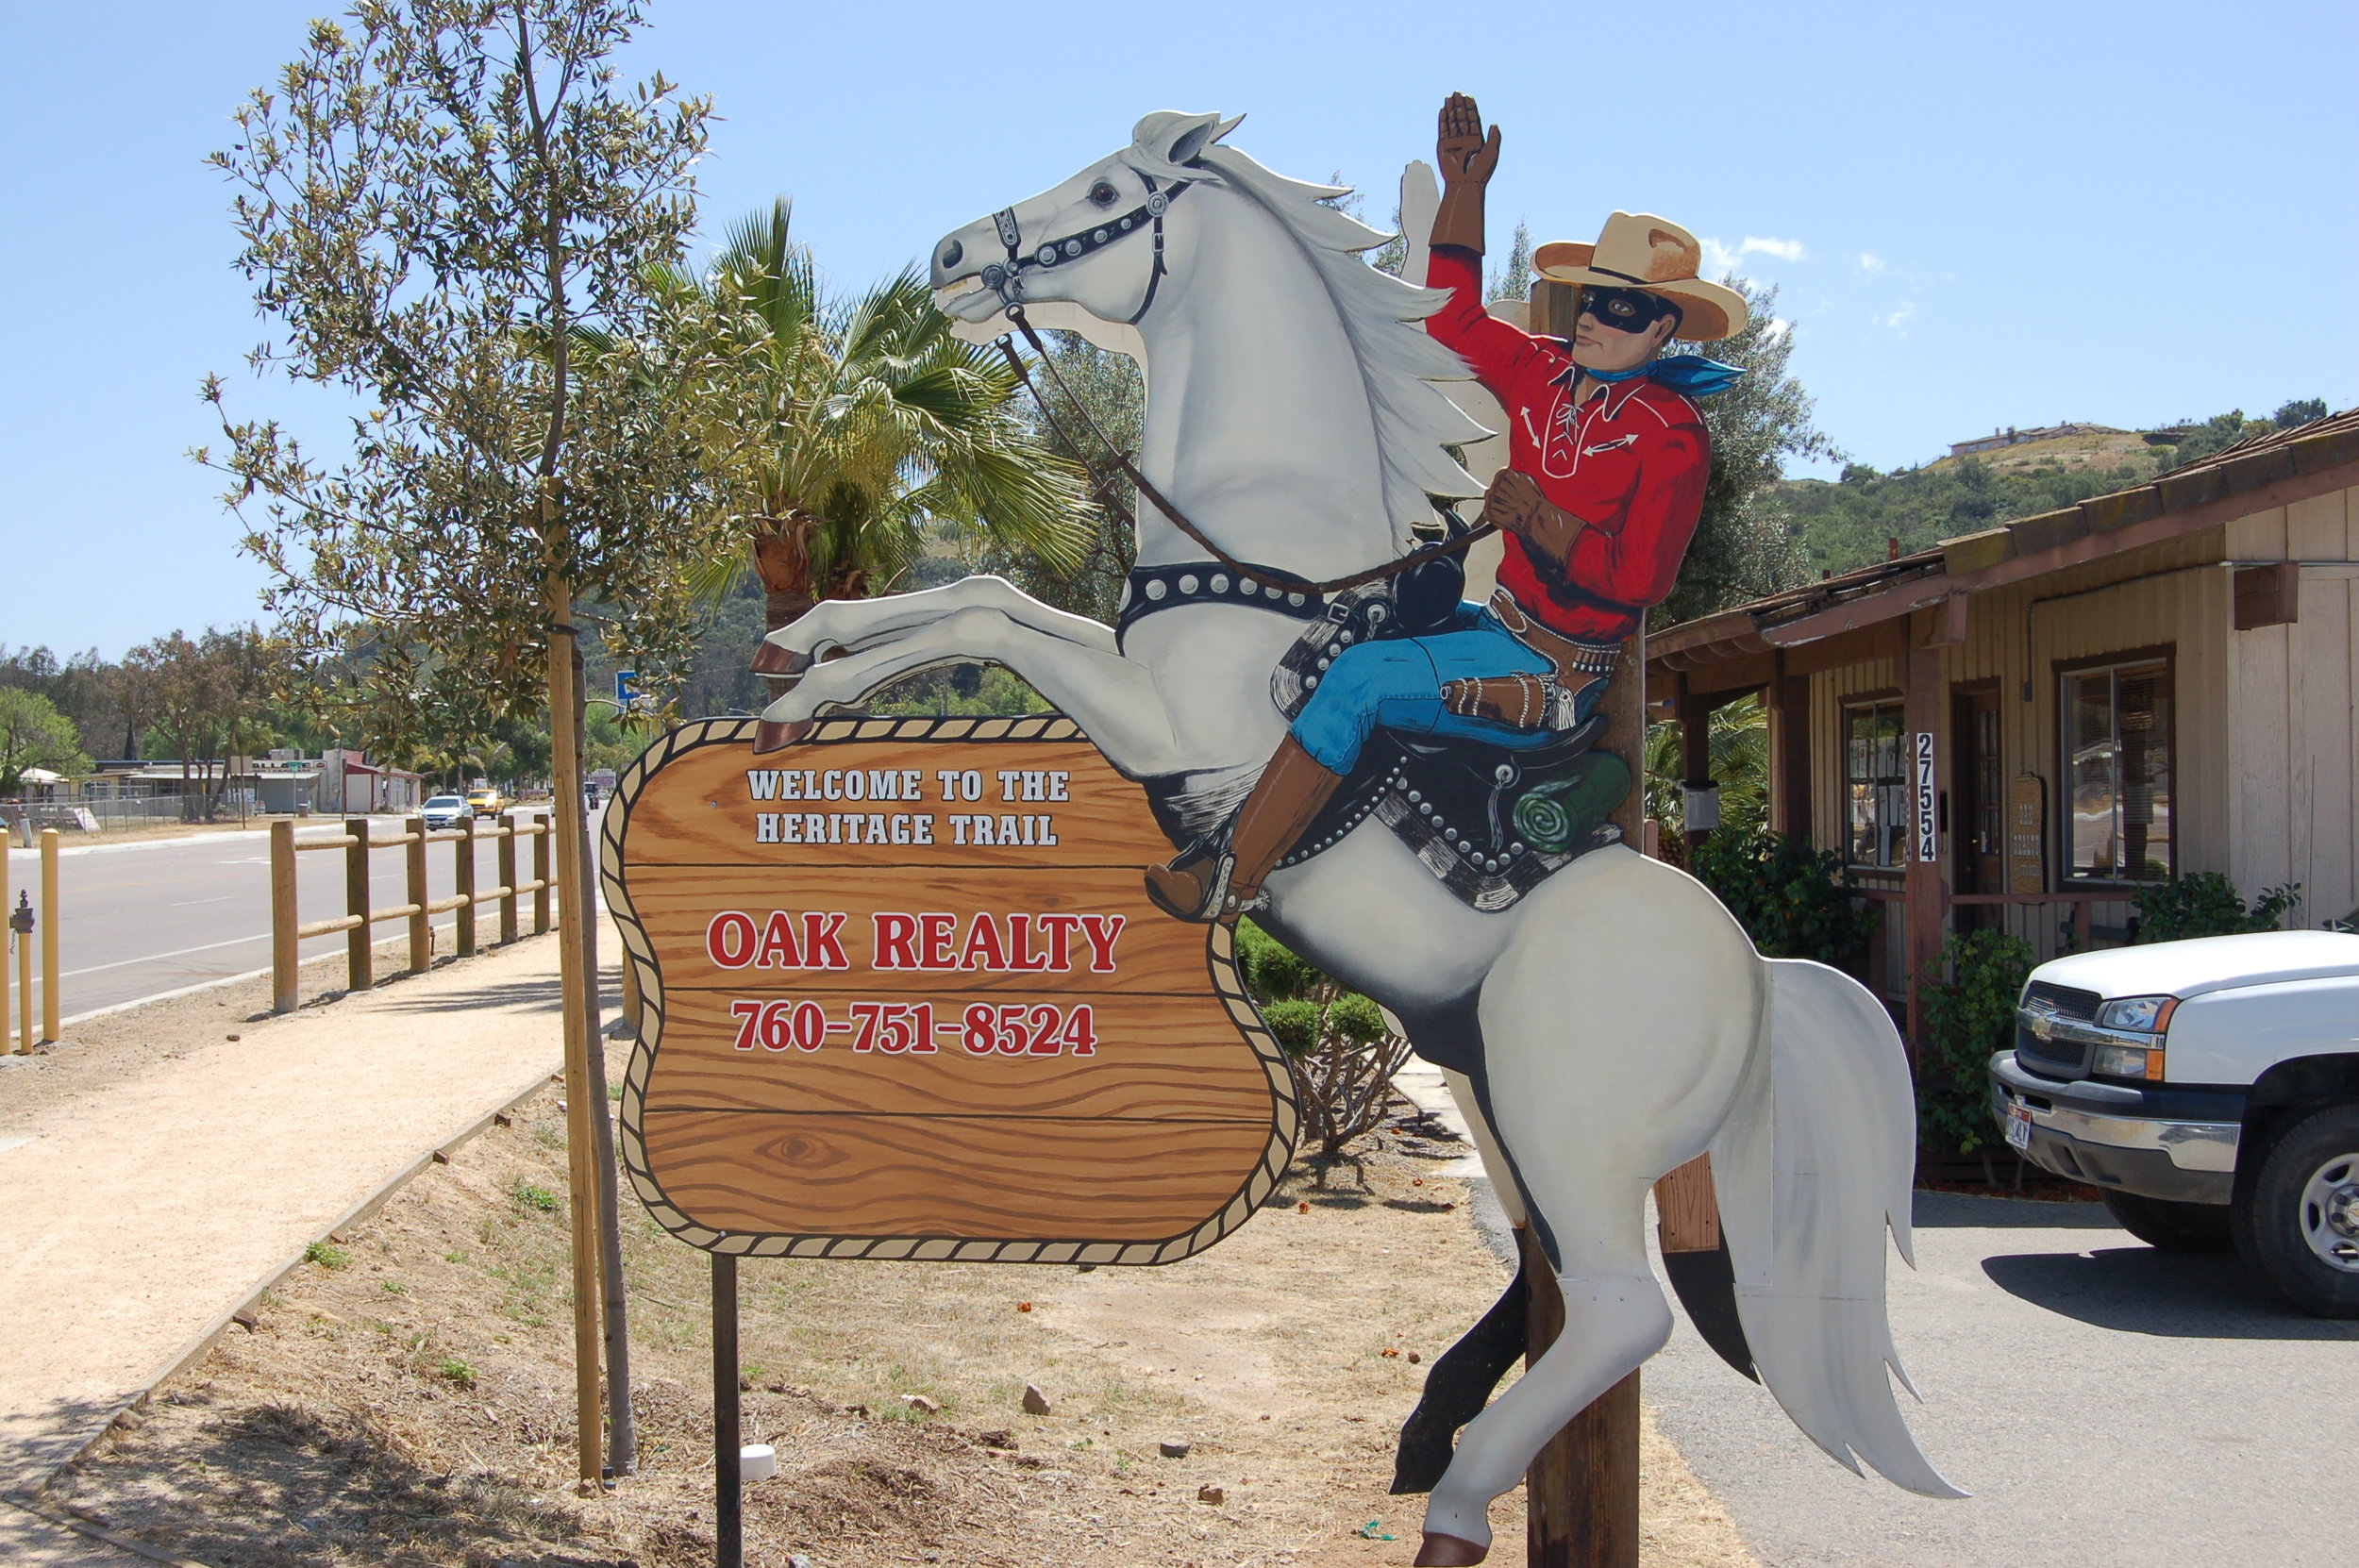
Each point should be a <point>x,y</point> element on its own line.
<point>2206,904</point>
<point>1791,899</point>
<point>1342,1054</point>
<point>1967,1018</point>
<point>327,1254</point>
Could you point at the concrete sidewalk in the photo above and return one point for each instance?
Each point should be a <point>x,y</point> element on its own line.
<point>132,1220</point>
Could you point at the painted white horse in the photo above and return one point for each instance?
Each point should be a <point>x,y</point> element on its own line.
<point>1618,1020</point>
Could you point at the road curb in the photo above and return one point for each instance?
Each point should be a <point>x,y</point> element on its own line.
<point>28,1493</point>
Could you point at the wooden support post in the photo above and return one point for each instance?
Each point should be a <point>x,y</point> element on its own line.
<point>506,861</point>
<point>8,842</point>
<point>1581,1491</point>
<point>421,923</point>
<point>728,1482</point>
<point>1925,892</point>
<point>359,947</point>
<point>1789,736</point>
<point>541,874</point>
<point>49,922</point>
<point>283,943</point>
<point>462,884</point>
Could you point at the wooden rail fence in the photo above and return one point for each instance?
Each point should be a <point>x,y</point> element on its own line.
<point>360,919</point>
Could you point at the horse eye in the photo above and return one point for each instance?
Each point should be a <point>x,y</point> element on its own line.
<point>1103,194</point>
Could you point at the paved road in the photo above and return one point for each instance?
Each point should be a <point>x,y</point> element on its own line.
<point>2108,1406</point>
<point>144,919</point>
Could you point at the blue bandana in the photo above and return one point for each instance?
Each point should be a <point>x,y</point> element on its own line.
<point>1690,373</point>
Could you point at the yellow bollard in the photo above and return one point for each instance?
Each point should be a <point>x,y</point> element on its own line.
<point>49,1008</point>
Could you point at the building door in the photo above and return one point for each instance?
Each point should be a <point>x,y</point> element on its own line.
<point>1978,796</point>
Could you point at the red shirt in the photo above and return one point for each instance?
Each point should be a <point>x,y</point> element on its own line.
<point>1630,462</point>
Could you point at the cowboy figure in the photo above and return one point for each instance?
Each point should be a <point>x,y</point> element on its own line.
<point>1605,480</point>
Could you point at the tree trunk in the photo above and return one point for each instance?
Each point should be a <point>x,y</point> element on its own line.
<point>782,562</point>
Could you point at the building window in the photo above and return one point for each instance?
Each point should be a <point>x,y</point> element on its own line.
<point>1875,788</point>
<point>2116,744</point>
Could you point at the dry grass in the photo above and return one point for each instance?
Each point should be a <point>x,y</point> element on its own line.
<point>411,1403</point>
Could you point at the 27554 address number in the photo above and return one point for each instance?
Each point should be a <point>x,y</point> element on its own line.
<point>909,1029</point>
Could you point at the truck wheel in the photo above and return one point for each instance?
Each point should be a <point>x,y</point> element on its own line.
<point>2297,1220</point>
<point>2185,1227</point>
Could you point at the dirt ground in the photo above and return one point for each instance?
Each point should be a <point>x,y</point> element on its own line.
<point>405,1398</point>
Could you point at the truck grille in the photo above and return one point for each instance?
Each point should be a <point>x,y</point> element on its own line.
<point>2064,1001</point>
<point>2059,1058</point>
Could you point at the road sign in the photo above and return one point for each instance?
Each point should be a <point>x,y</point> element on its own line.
<point>905,997</point>
<point>627,694</point>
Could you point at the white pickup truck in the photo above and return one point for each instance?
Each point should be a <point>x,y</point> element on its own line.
<point>2210,1090</point>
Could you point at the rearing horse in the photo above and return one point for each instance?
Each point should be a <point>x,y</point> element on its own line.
<point>1616,1021</point>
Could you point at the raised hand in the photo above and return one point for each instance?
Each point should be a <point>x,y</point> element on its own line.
<point>1461,150</point>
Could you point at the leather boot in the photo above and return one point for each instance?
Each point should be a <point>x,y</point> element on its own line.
<point>1284,801</point>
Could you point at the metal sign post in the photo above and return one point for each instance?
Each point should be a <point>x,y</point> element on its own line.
<point>729,1517</point>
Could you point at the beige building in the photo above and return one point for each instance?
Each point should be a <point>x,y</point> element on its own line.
<point>2022,726</point>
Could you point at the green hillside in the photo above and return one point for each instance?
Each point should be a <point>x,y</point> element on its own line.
<point>1846,523</point>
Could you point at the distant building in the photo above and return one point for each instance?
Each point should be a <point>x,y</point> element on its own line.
<point>1997,440</point>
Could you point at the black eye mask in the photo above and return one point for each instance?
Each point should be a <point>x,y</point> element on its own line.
<point>1627,309</point>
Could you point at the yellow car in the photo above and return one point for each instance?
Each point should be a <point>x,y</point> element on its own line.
<point>486,803</point>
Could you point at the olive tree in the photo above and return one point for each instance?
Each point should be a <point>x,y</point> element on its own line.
<point>450,211</point>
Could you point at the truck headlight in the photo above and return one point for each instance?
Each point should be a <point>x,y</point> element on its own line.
<point>2146,1014</point>
<point>2127,1061</point>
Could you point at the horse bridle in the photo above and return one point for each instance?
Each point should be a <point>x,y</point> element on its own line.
<point>1006,279</point>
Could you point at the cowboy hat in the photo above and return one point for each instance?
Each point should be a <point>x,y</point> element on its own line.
<point>1641,251</point>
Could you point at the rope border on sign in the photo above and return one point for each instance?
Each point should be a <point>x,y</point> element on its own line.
<point>638,951</point>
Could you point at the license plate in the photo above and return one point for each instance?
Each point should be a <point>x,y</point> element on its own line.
<point>2018,1126</point>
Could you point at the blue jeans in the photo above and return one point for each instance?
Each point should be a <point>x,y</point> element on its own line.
<point>1398,684</point>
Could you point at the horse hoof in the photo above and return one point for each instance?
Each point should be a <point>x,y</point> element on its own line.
<point>772,660</point>
<point>777,737</point>
<point>1448,1551</point>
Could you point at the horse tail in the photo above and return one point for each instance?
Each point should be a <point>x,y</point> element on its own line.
<point>1813,1164</point>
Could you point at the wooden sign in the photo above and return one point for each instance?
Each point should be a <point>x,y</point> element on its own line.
<point>2027,834</point>
<point>905,997</point>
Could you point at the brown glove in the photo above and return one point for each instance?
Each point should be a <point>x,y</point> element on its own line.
<point>1515,503</point>
<point>1466,158</point>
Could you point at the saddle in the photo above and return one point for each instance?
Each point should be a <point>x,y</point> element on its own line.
<point>1490,822</point>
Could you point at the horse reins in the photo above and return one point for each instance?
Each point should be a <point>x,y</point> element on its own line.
<point>1249,573</point>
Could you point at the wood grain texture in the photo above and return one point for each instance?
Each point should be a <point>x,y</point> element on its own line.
<point>1162,1140</point>
<point>916,1175</point>
<point>1153,953</point>
<point>1688,1214</point>
<point>699,810</point>
<point>1157,1058</point>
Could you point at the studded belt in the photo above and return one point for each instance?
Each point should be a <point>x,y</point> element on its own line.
<point>1201,582</point>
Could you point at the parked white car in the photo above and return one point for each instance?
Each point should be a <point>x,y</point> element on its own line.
<point>446,812</point>
<point>2210,1089</point>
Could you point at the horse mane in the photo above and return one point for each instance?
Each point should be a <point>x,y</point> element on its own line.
<point>1398,358</point>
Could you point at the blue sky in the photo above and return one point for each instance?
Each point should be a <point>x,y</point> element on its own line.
<point>1977,215</point>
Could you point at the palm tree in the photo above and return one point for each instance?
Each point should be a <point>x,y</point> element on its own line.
<point>839,432</point>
